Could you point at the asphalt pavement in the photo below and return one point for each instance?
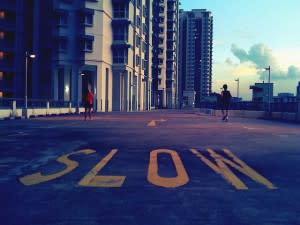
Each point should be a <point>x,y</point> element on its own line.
<point>149,168</point>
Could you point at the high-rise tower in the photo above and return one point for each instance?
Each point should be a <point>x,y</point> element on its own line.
<point>165,53</point>
<point>195,58</point>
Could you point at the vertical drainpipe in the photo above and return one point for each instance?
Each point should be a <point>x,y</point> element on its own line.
<point>177,56</point>
<point>133,74</point>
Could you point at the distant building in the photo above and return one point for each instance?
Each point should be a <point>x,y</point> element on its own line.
<point>195,56</point>
<point>16,26</point>
<point>260,92</point>
<point>284,98</point>
<point>298,90</point>
<point>165,53</point>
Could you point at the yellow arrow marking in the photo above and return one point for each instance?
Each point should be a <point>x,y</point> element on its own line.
<point>37,178</point>
<point>92,180</point>
<point>181,179</point>
<point>221,168</point>
<point>152,123</point>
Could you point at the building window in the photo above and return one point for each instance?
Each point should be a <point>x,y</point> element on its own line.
<point>1,35</point>
<point>1,55</point>
<point>88,45</point>
<point>145,13</point>
<point>161,9</point>
<point>138,60</point>
<point>2,14</point>
<point>138,41</point>
<point>138,2</point>
<point>63,19</point>
<point>1,75</point>
<point>144,64</point>
<point>89,19</point>
<point>121,10</point>
<point>120,56</point>
<point>121,34</point>
<point>145,29</point>
<point>62,45</point>
<point>138,21</point>
<point>144,49</point>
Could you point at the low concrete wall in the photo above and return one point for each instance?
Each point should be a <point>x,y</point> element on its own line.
<point>13,112</point>
<point>5,113</point>
<point>233,113</point>
<point>253,114</point>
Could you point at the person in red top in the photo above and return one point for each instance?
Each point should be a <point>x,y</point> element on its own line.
<point>89,100</point>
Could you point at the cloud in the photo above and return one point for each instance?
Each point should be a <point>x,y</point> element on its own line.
<point>229,61</point>
<point>261,56</point>
<point>241,54</point>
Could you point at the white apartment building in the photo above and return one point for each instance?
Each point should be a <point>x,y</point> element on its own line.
<point>195,58</point>
<point>109,50</point>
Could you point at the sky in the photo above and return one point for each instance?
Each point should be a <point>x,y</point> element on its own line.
<point>250,35</point>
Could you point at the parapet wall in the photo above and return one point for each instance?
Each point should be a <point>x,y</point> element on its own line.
<point>286,116</point>
<point>14,112</point>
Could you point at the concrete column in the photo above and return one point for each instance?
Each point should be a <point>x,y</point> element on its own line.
<point>14,108</point>
<point>298,113</point>
<point>47,108</point>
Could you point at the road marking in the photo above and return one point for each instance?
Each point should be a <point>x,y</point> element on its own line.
<point>37,178</point>
<point>20,133</point>
<point>152,123</point>
<point>171,182</point>
<point>249,128</point>
<point>92,180</point>
<point>221,168</point>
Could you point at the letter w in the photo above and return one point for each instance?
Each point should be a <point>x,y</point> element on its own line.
<point>221,168</point>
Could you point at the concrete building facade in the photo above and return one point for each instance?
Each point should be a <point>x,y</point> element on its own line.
<point>165,53</point>
<point>102,45</point>
<point>260,92</point>
<point>15,37</point>
<point>195,58</point>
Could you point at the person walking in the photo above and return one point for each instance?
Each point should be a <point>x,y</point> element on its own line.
<point>225,102</point>
<point>89,100</point>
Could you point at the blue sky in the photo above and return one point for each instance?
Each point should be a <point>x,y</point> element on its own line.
<point>250,35</point>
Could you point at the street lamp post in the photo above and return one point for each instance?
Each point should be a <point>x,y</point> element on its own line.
<point>269,90</point>
<point>238,88</point>
<point>79,78</point>
<point>27,56</point>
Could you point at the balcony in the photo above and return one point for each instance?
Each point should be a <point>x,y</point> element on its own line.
<point>161,35</point>
<point>121,1</point>
<point>121,21</point>
<point>120,44</point>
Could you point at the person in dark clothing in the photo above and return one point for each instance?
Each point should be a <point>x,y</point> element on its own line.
<point>89,100</point>
<point>225,102</point>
